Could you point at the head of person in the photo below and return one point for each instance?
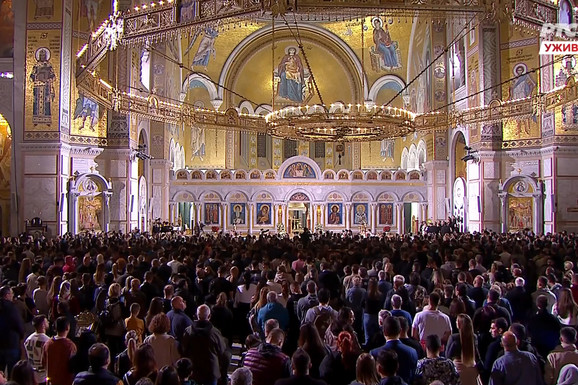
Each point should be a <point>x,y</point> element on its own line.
<point>478,281</point>
<point>542,282</point>
<point>99,356</point>
<point>519,331</point>
<point>270,325</point>
<point>498,327</point>
<point>568,335</point>
<point>323,296</point>
<point>168,376</point>
<point>242,376</point>
<point>509,341</point>
<point>404,324</point>
<point>134,309</point>
<point>144,360</point>
<point>542,302</point>
<point>387,363</point>
<point>23,373</point>
<point>40,323</point>
<point>493,296</point>
<point>366,370</point>
<point>383,314</point>
<point>276,337</point>
<point>6,293</point>
<point>300,362</point>
<point>398,281</point>
<point>114,290</point>
<point>391,328</point>
<point>178,303</point>
<point>160,324</point>
<point>203,313</point>
<point>434,300</point>
<point>272,297</point>
<point>396,301</point>
<point>184,368</point>
<point>62,326</point>
<point>433,345</point>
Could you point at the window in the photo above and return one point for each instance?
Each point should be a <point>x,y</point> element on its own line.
<point>319,150</point>
<point>289,148</point>
<point>261,145</point>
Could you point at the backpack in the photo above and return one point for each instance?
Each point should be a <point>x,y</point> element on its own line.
<point>107,318</point>
<point>323,319</point>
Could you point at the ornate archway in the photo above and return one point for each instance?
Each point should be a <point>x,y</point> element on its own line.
<point>89,196</point>
<point>522,204</point>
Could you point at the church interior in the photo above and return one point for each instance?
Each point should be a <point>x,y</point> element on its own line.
<point>279,115</point>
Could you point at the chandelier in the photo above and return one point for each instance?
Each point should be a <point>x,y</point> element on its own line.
<point>340,123</point>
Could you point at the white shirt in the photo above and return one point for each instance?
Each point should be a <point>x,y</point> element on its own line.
<point>34,349</point>
<point>429,322</point>
<point>244,295</point>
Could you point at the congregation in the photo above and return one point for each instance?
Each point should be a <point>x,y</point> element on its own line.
<point>337,309</point>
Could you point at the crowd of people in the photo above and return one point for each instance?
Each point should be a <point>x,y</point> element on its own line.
<point>337,309</point>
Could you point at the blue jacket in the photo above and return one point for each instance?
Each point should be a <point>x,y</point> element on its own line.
<point>179,322</point>
<point>273,310</point>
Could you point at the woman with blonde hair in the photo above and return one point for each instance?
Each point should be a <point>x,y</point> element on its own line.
<point>253,313</point>
<point>466,363</point>
<point>566,308</point>
<point>114,329</point>
<point>366,371</point>
<point>25,269</point>
<point>99,274</point>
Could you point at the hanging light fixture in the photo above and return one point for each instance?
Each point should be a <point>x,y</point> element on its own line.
<point>351,123</point>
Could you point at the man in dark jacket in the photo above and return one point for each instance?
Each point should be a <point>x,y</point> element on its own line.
<point>267,362</point>
<point>300,363</point>
<point>12,328</point>
<point>207,349</point>
<point>520,300</point>
<point>179,320</point>
<point>99,359</point>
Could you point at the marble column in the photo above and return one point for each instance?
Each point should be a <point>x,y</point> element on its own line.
<point>373,217</point>
<point>399,217</point>
<point>504,211</point>
<point>224,216</point>
<point>250,215</point>
<point>347,215</point>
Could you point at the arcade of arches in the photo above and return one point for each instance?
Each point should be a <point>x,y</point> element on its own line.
<point>88,148</point>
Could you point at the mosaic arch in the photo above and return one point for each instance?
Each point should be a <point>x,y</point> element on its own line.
<point>299,167</point>
<point>324,38</point>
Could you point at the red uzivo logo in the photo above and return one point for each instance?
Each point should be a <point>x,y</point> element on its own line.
<point>560,47</point>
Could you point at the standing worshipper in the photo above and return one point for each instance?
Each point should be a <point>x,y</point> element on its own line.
<point>12,328</point>
<point>57,353</point>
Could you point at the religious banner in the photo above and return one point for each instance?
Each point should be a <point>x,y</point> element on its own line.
<point>335,214</point>
<point>519,61</point>
<point>360,211</point>
<point>263,213</point>
<point>385,214</point>
<point>42,80</point>
<point>238,214</point>
<point>212,213</point>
